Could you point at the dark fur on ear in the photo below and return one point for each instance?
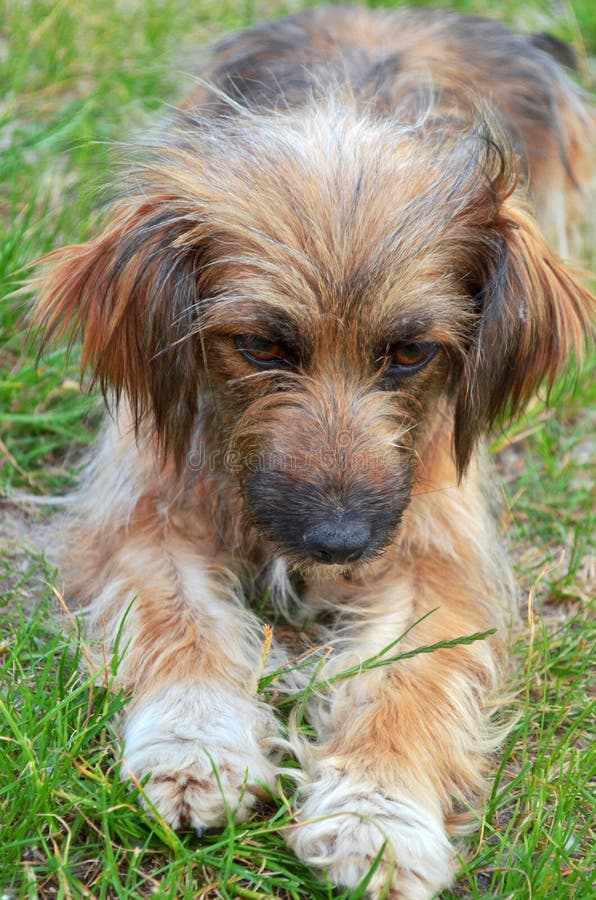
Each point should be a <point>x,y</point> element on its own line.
<point>132,295</point>
<point>533,314</point>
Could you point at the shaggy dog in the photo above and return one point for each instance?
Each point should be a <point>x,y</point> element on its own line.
<point>318,289</point>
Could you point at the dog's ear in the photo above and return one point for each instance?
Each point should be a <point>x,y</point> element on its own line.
<point>132,295</point>
<point>532,313</point>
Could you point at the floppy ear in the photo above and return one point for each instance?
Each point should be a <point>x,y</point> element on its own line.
<point>133,295</point>
<point>533,314</point>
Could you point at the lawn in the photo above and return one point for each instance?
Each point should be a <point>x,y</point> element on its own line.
<point>80,80</point>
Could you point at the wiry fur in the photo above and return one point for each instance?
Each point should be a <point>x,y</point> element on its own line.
<point>344,182</point>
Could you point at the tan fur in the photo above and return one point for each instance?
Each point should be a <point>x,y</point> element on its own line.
<point>350,185</point>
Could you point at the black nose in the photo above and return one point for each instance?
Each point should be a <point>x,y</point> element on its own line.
<point>337,542</point>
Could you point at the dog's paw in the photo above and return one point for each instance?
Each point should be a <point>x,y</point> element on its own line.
<point>201,786</point>
<point>342,828</point>
<point>206,757</point>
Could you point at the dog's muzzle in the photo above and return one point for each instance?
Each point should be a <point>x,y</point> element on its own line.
<point>321,524</point>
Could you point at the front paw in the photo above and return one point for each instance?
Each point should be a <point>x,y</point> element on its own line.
<point>206,759</point>
<point>343,825</point>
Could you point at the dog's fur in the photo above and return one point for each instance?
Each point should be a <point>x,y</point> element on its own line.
<point>344,185</point>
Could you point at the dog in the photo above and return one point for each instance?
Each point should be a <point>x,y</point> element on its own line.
<point>323,282</point>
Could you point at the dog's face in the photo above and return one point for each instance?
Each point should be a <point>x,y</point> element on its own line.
<point>321,287</point>
<point>327,356</point>
<point>321,399</point>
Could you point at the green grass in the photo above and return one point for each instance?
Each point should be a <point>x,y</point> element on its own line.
<point>78,79</point>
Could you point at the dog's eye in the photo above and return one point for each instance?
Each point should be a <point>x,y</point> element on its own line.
<point>406,359</point>
<point>263,353</point>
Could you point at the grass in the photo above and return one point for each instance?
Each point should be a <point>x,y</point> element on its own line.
<point>80,78</point>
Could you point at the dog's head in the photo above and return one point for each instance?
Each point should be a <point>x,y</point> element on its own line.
<point>312,290</point>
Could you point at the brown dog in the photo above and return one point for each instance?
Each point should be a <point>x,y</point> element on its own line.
<point>318,291</point>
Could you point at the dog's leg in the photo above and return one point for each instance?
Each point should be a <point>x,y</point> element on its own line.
<point>191,662</point>
<point>399,741</point>
<point>189,653</point>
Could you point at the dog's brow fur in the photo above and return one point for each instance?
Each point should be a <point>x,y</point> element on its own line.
<point>323,282</point>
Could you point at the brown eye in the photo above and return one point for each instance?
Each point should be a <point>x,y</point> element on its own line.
<point>409,355</point>
<point>407,359</point>
<point>261,352</point>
